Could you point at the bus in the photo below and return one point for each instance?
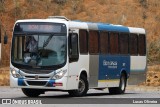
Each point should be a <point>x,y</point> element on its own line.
<point>57,54</point>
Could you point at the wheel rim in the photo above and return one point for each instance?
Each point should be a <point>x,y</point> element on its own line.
<point>81,86</point>
<point>122,83</point>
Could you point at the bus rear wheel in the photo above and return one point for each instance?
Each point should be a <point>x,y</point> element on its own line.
<point>122,86</point>
<point>32,92</point>
<point>82,88</point>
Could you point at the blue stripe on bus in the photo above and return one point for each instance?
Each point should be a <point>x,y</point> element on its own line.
<point>110,66</point>
<point>21,82</point>
<point>50,83</point>
<point>108,27</point>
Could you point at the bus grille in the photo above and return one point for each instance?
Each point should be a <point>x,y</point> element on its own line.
<point>39,77</point>
<point>37,83</point>
<point>37,71</point>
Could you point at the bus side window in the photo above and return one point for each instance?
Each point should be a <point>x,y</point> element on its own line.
<point>93,42</point>
<point>113,43</point>
<point>133,44</point>
<point>142,45</point>
<point>123,43</point>
<point>83,41</point>
<point>104,42</point>
<point>73,47</point>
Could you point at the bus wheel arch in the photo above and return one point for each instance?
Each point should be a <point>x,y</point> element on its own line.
<point>122,84</point>
<point>125,73</point>
<point>123,81</point>
<point>84,73</point>
<point>82,86</point>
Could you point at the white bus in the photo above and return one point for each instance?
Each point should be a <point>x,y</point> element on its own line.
<point>59,54</point>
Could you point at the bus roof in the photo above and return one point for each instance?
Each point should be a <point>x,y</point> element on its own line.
<point>89,25</point>
<point>105,27</point>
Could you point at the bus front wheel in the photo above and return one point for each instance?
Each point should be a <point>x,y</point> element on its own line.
<point>82,88</point>
<point>31,92</point>
<point>122,86</point>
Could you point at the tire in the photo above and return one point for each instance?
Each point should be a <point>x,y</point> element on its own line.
<point>122,86</point>
<point>32,92</point>
<point>82,88</point>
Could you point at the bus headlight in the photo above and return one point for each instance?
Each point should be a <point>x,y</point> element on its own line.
<point>59,74</point>
<point>15,74</point>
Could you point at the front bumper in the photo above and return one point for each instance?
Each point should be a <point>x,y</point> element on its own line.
<point>38,83</point>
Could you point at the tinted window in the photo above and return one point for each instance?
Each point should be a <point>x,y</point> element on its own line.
<point>133,44</point>
<point>73,47</point>
<point>141,45</point>
<point>113,43</point>
<point>83,41</point>
<point>123,43</point>
<point>93,42</point>
<point>74,44</point>
<point>104,42</point>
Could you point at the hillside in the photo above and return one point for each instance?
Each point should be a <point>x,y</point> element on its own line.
<point>135,13</point>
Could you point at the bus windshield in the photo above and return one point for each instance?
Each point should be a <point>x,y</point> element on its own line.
<point>39,50</point>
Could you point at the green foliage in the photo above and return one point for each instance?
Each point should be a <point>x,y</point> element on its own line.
<point>59,1</point>
<point>77,6</point>
<point>144,16</point>
<point>2,9</point>
<point>17,10</point>
<point>102,2</point>
<point>143,3</point>
<point>30,1</point>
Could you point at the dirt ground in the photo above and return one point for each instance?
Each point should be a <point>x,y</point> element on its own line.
<point>153,76</point>
<point>4,76</point>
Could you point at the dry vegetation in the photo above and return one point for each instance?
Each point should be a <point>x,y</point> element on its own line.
<point>153,76</point>
<point>4,76</point>
<point>135,13</point>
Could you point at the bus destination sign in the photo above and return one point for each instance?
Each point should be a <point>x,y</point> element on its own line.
<point>40,27</point>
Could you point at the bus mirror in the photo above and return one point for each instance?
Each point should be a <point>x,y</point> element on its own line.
<point>5,39</point>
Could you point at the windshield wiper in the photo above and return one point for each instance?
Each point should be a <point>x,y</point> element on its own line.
<point>47,41</point>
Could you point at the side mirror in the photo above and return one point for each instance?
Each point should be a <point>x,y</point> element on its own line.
<point>5,39</point>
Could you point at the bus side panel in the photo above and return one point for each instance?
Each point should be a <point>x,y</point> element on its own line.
<point>93,70</point>
<point>110,68</point>
<point>74,70</point>
<point>138,70</point>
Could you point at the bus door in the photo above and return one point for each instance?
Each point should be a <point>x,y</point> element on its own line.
<point>73,55</point>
